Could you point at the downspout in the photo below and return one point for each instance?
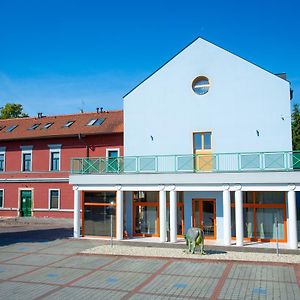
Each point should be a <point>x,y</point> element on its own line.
<point>87,148</point>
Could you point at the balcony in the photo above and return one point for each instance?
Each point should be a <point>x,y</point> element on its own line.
<point>216,162</point>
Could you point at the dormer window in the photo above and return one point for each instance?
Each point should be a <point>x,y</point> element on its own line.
<point>11,128</point>
<point>201,85</point>
<point>69,124</point>
<point>95,122</point>
<point>34,126</point>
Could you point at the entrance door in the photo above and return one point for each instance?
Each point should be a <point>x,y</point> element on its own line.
<point>204,216</point>
<point>26,200</point>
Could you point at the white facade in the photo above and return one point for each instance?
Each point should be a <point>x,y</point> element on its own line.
<point>161,114</point>
<point>246,109</point>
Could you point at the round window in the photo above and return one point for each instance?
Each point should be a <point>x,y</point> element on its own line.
<point>201,85</point>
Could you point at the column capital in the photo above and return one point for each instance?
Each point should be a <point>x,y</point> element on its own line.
<point>237,187</point>
<point>119,187</point>
<point>226,187</point>
<point>172,187</point>
<point>291,187</point>
<point>75,187</point>
<point>161,187</point>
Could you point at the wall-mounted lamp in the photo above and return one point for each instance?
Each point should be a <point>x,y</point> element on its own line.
<point>151,137</point>
<point>257,132</point>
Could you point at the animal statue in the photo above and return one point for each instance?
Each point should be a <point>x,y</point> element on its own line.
<point>195,237</point>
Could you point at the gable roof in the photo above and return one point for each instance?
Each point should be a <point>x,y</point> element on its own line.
<point>186,48</point>
<point>112,123</point>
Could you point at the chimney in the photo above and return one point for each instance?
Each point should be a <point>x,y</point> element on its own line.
<point>40,115</point>
<point>101,109</point>
<point>97,109</point>
<point>281,75</point>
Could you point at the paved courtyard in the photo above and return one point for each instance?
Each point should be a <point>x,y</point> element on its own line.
<point>34,265</point>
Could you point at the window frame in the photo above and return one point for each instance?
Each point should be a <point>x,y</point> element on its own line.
<point>205,86</point>
<point>112,149</point>
<point>2,204</point>
<point>54,148</point>
<point>2,152</point>
<point>26,150</point>
<point>49,198</point>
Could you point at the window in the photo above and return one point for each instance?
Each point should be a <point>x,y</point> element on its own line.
<point>1,162</point>
<point>47,125</point>
<point>2,127</point>
<point>200,85</point>
<point>1,198</point>
<point>95,122</point>
<point>34,126</point>
<point>2,159</point>
<point>26,162</point>
<point>54,163</point>
<point>202,141</point>
<point>11,128</point>
<point>69,124</point>
<point>53,199</point>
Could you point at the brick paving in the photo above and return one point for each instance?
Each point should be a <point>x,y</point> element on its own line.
<point>50,268</point>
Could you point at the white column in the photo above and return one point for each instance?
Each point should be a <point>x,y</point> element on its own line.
<point>119,215</point>
<point>162,216</point>
<point>173,217</point>
<point>292,230</point>
<point>226,217</point>
<point>239,220</point>
<point>76,232</point>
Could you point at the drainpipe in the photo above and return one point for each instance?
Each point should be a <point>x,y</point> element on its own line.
<point>87,147</point>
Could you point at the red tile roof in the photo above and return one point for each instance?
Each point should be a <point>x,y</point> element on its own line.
<point>113,123</point>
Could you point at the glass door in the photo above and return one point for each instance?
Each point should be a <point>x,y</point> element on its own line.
<point>146,213</point>
<point>112,161</point>
<point>204,216</point>
<point>26,203</point>
<point>202,151</point>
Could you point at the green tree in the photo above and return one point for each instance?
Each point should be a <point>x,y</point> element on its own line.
<point>296,127</point>
<point>12,110</point>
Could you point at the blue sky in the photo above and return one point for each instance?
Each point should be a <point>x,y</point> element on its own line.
<point>63,56</point>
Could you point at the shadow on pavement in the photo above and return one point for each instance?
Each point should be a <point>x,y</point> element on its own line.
<point>34,235</point>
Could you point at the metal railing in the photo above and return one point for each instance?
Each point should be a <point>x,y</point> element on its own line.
<point>215,162</point>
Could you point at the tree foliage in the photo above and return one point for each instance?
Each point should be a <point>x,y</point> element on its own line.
<point>12,110</point>
<point>296,127</point>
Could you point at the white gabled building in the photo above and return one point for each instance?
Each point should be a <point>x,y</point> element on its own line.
<point>207,143</point>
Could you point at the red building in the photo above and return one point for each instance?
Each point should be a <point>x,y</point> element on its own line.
<point>35,156</point>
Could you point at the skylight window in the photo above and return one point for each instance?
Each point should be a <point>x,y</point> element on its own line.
<point>95,122</point>
<point>34,126</point>
<point>2,127</point>
<point>47,125</point>
<point>69,124</point>
<point>11,128</point>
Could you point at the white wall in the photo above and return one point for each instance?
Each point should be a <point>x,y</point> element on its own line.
<point>242,98</point>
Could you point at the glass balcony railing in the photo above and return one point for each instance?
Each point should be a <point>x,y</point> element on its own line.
<point>216,162</point>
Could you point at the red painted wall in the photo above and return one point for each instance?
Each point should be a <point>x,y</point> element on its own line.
<point>71,147</point>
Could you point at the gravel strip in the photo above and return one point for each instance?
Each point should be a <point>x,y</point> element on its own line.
<point>179,253</point>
